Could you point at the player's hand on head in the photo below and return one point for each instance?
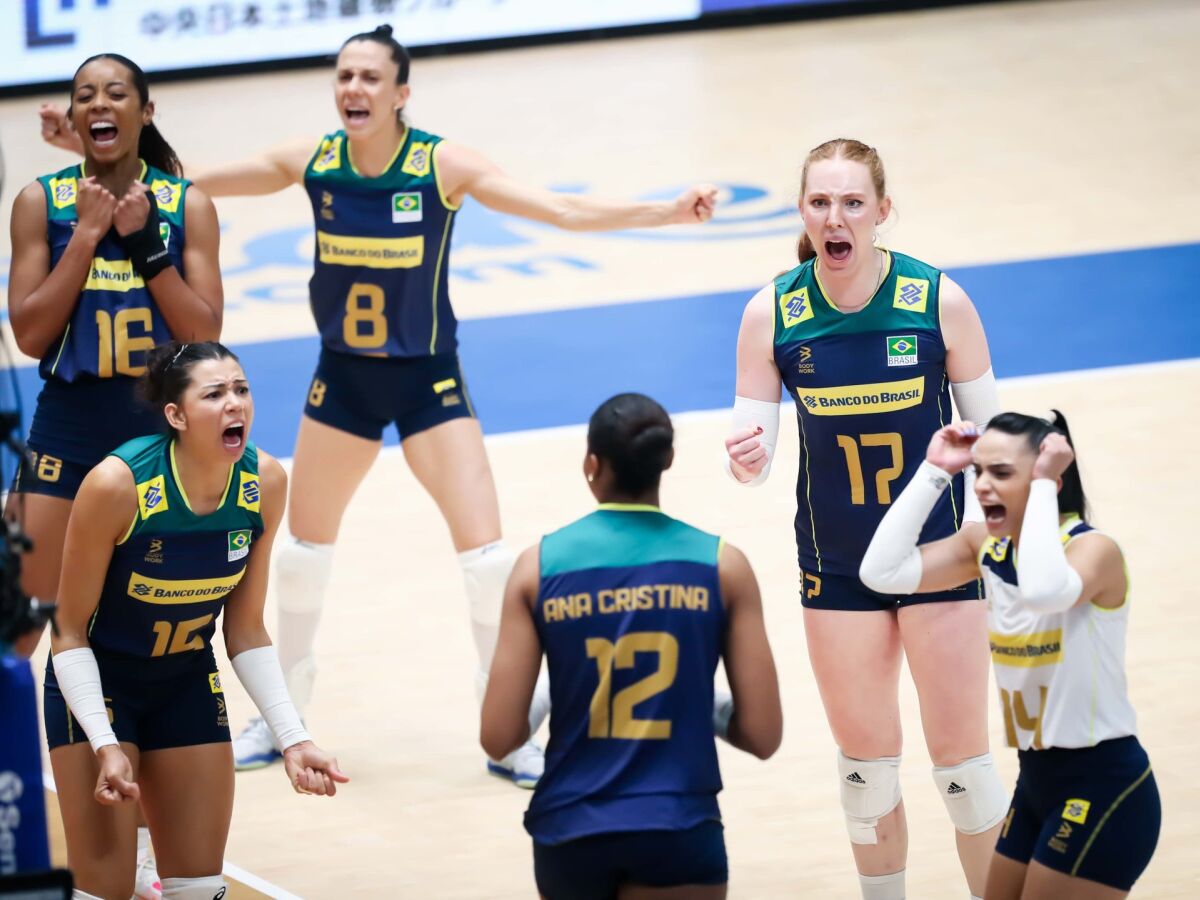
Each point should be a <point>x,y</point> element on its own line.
<point>746,451</point>
<point>950,447</point>
<point>115,784</point>
<point>132,210</point>
<point>94,206</point>
<point>695,205</point>
<point>1054,457</point>
<point>57,130</point>
<point>311,770</point>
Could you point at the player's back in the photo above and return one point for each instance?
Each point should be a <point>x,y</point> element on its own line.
<point>631,618</point>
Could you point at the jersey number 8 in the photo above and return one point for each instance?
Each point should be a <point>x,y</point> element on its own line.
<point>365,327</point>
<point>621,723</point>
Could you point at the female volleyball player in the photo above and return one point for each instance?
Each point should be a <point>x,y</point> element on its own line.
<point>166,533</point>
<point>632,609</point>
<point>1085,815</point>
<point>869,344</point>
<point>384,196</point>
<point>109,257</point>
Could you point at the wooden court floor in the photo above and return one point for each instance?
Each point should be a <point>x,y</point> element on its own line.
<point>1009,132</point>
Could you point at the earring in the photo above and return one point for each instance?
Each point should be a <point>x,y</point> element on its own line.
<point>591,478</point>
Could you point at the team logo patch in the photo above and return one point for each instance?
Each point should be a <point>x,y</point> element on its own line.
<point>795,307</point>
<point>1077,811</point>
<point>63,191</point>
<point>214,683</point>
<point>901,350</point>
<point>911,294</point>
<point>239,544</point>
<point>166,194</point>
<point>152,497</point>
<point>249,495</point>
<point>329,156</point>
<point>418,160</point>
<point>406,207</point>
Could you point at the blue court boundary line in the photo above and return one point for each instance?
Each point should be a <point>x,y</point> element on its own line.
<point>544,369</point>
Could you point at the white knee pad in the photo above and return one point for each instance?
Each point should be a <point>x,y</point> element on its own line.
<point>485,575</point>
<point>973,793</point>
<point>302,573</point>
<point>210,887</point>
<point>870,790</point>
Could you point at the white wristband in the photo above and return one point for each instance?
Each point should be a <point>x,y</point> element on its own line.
<point>1046,581</point>
<point>259,672</point>
<point>892,563</point>
<point>751,413</point>
<point>79,680</point>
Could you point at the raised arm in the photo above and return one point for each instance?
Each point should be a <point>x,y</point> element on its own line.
<point>266,173</point>
<point>504,722</point>
<point>893,563</point>
<point>462,172</point>
<point>41,299</point>
<point>751,443</point>
<point>757,722</point>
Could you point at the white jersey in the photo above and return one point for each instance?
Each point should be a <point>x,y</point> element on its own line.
<point>1061,675</point>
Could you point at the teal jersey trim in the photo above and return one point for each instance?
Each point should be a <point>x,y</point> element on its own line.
<point>617,536</point>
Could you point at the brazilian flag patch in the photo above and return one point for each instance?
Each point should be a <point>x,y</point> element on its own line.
<point>239,544</point>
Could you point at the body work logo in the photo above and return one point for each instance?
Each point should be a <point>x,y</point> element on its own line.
<point>406,207</point>
<point>902,350</point>
<point>239,544</point>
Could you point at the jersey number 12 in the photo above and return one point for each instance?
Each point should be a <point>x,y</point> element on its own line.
<point>612,717</point>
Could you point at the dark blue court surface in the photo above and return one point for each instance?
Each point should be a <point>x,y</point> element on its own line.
<point>553,368</point>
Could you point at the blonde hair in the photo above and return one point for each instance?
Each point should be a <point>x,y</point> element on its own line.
<point>840,148</point>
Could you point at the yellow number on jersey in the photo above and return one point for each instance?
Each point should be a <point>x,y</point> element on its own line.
<point>884,477</point>
<point>117,345</point>
<point>371,316</point>
<point>179,637</point>
<point>621,723</point>
<point>1017,716</point>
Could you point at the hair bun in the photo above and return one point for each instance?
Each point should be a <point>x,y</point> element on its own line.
<point>385,30</point>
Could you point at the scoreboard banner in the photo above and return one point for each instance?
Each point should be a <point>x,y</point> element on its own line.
<point>45,40</point>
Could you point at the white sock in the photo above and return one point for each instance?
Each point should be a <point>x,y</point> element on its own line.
<point>209,887</point>
<point>302,574</point>
<point>143,840</point>
<point>485,574</point>
<point>882,887</point>
<point>77,894</point>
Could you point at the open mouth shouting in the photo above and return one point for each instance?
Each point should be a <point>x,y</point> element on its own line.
<point>838,250</point>
<point>357,114</point>
<point>234,437</point>
<point>103,133</point>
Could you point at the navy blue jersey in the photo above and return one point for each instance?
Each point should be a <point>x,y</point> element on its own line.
<point>630,616</point>
<point>115,320</point>
<point>382,256</point>
<point>870,390</point>
<point>170,574</point>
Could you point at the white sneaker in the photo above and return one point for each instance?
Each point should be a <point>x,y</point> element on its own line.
<point>523,767</point>
<point>147,886</point>
<point>255,747</point>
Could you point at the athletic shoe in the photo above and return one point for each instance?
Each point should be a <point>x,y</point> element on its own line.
<point>147,885</point>
<point>255,747</point>
<point>523,767</point>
